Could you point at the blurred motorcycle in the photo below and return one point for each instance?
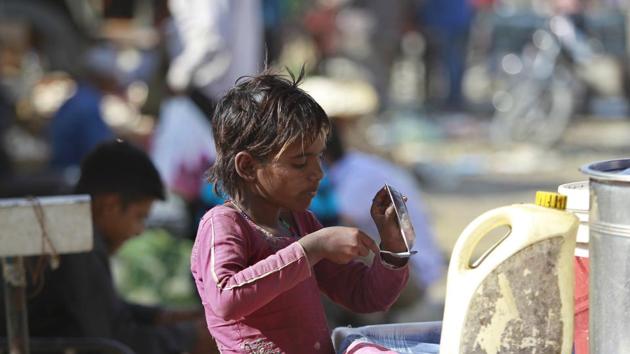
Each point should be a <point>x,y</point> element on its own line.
<point>548,81</point>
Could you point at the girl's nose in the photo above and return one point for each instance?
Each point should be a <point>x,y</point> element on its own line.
<point>317,172</point>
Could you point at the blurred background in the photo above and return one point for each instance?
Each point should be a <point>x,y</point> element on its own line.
<point>483,102</point>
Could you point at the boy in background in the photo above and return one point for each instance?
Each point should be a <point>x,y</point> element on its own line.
<point>79,298</point>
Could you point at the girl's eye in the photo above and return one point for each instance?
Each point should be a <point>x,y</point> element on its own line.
<point>303,163</point>
<point>300,164</point>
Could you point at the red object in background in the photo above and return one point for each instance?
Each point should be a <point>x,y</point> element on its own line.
<point>481,4</point>
<point>580,334</point>
<point>321,23</point>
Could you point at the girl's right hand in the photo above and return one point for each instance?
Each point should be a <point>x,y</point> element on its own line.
<point>338,244</point>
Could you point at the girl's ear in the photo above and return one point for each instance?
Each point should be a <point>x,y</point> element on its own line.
<point>245,165</point>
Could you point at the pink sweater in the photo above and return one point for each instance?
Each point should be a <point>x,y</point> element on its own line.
<point>262,295</point>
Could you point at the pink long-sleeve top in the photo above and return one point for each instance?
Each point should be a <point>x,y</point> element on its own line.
<point>261,295</point>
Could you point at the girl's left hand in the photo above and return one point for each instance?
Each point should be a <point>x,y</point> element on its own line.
<point>384,217</point>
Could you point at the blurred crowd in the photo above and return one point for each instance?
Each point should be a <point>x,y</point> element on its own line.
<point>75,74</point>
<point>133,61</point>
<point>134,57</point>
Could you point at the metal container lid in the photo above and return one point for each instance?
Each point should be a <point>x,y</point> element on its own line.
<point>610,170</point>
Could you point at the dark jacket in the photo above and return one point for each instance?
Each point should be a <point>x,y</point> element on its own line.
<point>79,299</point>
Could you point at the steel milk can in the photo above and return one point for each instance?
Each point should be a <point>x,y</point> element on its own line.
<point>609,251</point>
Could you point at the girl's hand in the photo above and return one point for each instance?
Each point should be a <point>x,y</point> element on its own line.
<point>384,217</point>
<point>338,244</point>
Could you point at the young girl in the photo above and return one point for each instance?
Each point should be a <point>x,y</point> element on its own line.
<point>261,259</point>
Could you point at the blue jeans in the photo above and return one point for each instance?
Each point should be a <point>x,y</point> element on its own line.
<point>414,337</point>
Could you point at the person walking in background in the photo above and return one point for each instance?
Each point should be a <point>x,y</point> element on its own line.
<point>261,259</point>
<point>218,41</point>
<point>210,44</point>
<point>79,299</point>
<point>445,25</point>
<point>78,126</point>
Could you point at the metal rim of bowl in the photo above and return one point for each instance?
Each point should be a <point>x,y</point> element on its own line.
<point>607,170</point>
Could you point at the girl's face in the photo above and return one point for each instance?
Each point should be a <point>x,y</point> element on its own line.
<point>292,178</point>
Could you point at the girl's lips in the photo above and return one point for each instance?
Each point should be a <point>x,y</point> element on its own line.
<point>313,191</point>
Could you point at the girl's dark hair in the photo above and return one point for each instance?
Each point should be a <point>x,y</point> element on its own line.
<point>262,115</point>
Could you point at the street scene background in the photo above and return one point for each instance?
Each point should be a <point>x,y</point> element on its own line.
<point>482,102</point>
